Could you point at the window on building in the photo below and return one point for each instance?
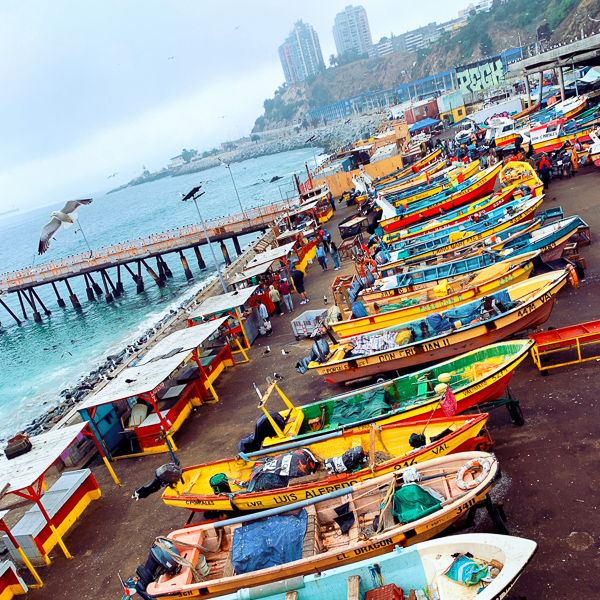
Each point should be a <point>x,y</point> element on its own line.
<point>460,112</point>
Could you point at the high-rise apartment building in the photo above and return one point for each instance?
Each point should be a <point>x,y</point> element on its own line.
<point>300,54</point>
<point>351,30</point>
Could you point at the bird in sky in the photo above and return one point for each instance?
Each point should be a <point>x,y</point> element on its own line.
<point>65,216</point>
<point>112,175</point>
<point>237,27</point>
<point>170,58</point>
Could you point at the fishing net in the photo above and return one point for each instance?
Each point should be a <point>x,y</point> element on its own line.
<point>412,502</point>
<point>362,406</point>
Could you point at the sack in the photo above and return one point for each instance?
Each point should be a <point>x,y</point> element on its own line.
<point>267,325</point>
<point>169,473</point>
<point>17,446</point>
<point>349,461</point>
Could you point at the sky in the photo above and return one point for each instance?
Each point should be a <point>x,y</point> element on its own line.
<point>94,88</point>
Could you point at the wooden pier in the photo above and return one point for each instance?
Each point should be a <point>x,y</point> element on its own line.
<point>132,256</point>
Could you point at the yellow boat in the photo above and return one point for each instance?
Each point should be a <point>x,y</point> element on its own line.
<point>387,448</point>
<point>410,170</point>
<point>440,336</point>
<point>380,515</point>
<point>434,170</point>
<point>447,294</point>
<point>459,175</point>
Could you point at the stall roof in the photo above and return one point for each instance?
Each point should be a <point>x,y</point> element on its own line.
<point>134,381</point>
<point>253,272</point>
<point>423,124</point>
<point>271,255</point>
<point>23,471</point>
<point>305,207</point>
<point>183,341</point>
<point>224,302</point>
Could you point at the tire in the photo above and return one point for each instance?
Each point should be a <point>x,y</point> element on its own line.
<point>380,379</point>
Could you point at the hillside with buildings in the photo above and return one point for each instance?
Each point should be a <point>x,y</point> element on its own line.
<point>379,73</point>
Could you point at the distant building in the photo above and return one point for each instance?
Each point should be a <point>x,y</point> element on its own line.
<point>176,161</point>
<point>300,54</point>
<point>481,6</point>
<point>351,30</point>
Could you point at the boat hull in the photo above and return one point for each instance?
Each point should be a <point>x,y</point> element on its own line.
<point>532,314</point>
<point>463,439</point>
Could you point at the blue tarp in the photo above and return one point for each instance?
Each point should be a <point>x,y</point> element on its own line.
<point>423,124</point>
<point>274,541</point>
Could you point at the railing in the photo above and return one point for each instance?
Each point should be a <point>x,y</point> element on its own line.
<point>144,247</point>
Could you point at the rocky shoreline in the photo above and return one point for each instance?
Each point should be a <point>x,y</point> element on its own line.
<point>329,137</point>
<point>66,411</point>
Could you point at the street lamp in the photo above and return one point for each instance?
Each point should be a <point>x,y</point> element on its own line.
<point>312,147</point>
<point>194,194</point>
<point>228,166</point>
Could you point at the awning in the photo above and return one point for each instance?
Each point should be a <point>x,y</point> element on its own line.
<point>249,273</point>
<point>182,342</point>
<point>224,302</point>
<point>423,124</point>
<point>271,255</point>
<point>134,381</point>
<point>305,207</point>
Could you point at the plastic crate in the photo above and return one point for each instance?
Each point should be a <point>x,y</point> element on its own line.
<point>387,592</point>
<point>308,322</point>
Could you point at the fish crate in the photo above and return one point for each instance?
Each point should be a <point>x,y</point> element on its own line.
<point>308,322</point>
<point>387,592</point>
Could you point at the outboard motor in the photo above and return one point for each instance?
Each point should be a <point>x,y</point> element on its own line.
<point>159,562</point>
<point>165,475</point>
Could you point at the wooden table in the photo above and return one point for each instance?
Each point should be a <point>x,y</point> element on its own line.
<point>346,247</point>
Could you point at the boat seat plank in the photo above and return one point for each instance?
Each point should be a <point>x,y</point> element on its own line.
<point>353,588</point>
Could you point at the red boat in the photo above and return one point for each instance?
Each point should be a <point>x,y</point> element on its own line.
<point>475,188</point>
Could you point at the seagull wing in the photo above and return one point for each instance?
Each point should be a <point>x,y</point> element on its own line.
<point>73,205</point>
<point>47,233</point>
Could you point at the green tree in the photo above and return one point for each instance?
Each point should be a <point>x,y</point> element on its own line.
<point>186,155</point>
<point>315,121</point>
<point>305,123</point>
<point>255,137</point>
<point>259,124</point>
<point>268,105</point>
<point>333,60</point>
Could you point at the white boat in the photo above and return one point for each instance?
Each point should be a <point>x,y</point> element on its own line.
<point>421,567</point>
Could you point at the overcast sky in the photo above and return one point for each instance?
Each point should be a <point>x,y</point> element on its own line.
<point>91,88</point>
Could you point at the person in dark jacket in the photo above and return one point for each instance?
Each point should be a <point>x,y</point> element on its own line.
<point>544,168</point>
<point>298,278</point>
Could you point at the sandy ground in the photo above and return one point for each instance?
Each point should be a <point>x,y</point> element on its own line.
<point>551,466</point>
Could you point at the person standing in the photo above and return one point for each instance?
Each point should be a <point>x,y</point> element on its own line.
<point>544,167</point>
<point>321,257</point>
<point>298,278</point>
<point>264,315</point>
<point>331,201</point>
<point>275,298</point>
<point>284,290</point>
<point>334,255</point>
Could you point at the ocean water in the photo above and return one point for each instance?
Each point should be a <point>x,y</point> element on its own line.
<point>38,360</point>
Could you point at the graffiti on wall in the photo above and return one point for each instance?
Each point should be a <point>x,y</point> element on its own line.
<point>480,75</point>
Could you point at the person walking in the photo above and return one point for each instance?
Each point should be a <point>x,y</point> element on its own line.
<point>275,298</point>
<point>298,278</point>
<point>334,255</point>
<point>321,257</point>
<point>284,290</point>
<point>264,315</point>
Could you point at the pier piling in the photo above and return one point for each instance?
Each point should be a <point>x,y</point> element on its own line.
<point>166,269</point>
<point>161,271</point>
<point>201,262</point>
<point>107,295</point>
<point>225,253</point>
<point>22,305</point>
<point>72,297</point>
<point>10,312</point>
<point>36,315</point>
<point>115,291</point>
<point>46,311</point>
<point>120,287</point>
<point>159,282</point>
<point>95,286</point>
<point>236,245</point>
<point>59,300</point>
<point>88,290</point>
<point>186,267</point>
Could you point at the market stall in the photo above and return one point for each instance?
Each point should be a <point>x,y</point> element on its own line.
<point>241,317</point>
<point>56,509</point>
<point>138,412</point>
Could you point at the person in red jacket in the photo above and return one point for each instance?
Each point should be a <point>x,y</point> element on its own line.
<point>544,167</point>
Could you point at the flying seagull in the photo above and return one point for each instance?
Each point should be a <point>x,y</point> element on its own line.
<point>112,175</point>
<point>57,218</point>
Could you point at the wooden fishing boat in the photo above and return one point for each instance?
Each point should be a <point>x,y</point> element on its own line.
<point>448,242</point>
<point>476,187</point>
<point>395,310</point>
<point>549,240</point>
<point>420,569</point>
<point>388,449</point>
<point>434,171</point>
<point>437,337</point>
<point>475,377</point>
<point>367,520</point>
<point>411,169</point>
<point>458,176</point>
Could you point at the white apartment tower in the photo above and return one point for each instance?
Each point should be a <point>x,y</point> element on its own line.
<point>351,30</point>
